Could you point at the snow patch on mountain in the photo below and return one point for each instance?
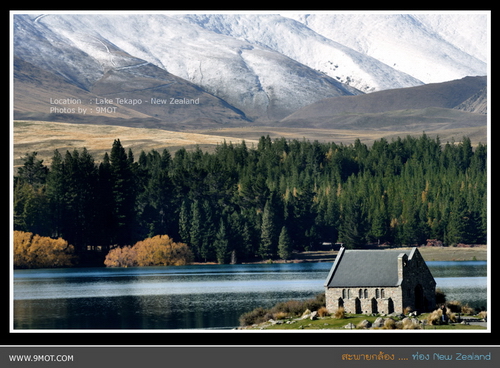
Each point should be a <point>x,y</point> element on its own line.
<point>295,40</point>
<point>267,65</point>
<point>433,47</point>
<point>222,65</point>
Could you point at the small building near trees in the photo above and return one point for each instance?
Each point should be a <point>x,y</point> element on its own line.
<point>380,282</point>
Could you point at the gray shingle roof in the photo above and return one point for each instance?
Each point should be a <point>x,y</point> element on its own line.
<point>370,268</point>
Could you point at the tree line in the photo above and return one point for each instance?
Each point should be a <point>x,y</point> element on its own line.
<point>240,203</point>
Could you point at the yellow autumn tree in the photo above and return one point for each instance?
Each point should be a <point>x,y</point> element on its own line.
<point>121,257</point>
<point>35,251</point>
<point>160,250</point>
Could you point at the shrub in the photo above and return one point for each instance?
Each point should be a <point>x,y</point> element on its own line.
<point>121,257</point>
<point>160,250</point>
<point>35,251</point>
<point>280,315</point>
<point>467,310</point>
<point>291,308</point>
<point>434,318</point>
<point>316,303</point>
<point>451,316</point>
<point>255,316</point>
<point>339,313</point>
<point>323,312</point>
<point>454,306</point>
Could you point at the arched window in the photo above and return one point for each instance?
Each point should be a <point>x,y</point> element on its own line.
<point>382,293</point>
<point>377,293</point>
<point>360,294</point>
<point>366,293</point>
<point>343,294</point>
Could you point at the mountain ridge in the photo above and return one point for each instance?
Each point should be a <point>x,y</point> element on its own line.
<point>263,83</point>
<point>443,103</point>
<point>235,68</point>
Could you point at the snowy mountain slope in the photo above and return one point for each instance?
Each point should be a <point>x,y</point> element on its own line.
<point>297,41</point>
<point>432,47</point>
<point>265,65</point>
<point>263,83</point>
<point>35,89</point>
<point>45,48</point>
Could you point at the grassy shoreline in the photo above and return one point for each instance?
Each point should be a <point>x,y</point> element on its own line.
<point>331,323</point>
<point>476,253</point>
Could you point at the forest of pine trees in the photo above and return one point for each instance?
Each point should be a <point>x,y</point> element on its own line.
<point>242,203</point>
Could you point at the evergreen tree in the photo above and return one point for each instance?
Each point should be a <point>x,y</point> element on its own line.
<point>353,228</point>
<point>56,189</point>
<point>195,231</point>
<point>268,238</point>
<point>33,171</point>
<point>106,225</point>
<point>221,244</point>
<point>184,222</point>
<point>123,186</point>
<point>402,191</point>
<point>209,230</point>
<point>284,244</point>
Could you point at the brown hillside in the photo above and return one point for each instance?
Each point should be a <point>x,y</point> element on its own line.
<point>445,95</point>
<point>35,89</point>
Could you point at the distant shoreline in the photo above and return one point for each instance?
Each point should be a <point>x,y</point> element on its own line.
<point>473,253</point>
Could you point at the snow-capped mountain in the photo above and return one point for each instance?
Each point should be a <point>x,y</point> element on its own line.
<point>261,82</point>
<point>432,47</point>
<point>301,43</point>
<point>265,65</point>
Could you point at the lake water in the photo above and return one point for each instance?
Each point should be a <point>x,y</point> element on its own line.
<point>190,297</point>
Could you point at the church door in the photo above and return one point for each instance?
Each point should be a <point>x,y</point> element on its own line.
<point>419,298</point>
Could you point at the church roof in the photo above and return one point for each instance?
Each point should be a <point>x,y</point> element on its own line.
<point>366,268</point>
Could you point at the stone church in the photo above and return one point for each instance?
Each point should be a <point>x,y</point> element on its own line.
<point>380,282</point>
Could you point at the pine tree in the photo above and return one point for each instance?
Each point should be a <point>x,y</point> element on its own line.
<point>284,244</point>
<point>221,244</point>
<point>195,231</point>
<point>56,189</point>
<point>106,225</point>
<point>184,222</point>
<point>123,185</point>
<point>353,228</point>
<point>208,230</point>
<point>33,171</point>
<point>268,239</point>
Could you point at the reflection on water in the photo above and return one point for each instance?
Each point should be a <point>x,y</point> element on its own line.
<point>189,297</point>
<point>457,268</point>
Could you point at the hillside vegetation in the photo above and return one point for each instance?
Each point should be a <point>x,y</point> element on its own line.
<point>238,203</point>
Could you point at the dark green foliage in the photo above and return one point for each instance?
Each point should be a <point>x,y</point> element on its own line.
<point>123,183</point>
<point>284,244</point>
<point>265,201</point>
<point>33,171</point>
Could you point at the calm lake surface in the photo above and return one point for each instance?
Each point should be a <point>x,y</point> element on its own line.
<point>190,297</point>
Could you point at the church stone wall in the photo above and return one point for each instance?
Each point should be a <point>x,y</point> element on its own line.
<point>416,291</point>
